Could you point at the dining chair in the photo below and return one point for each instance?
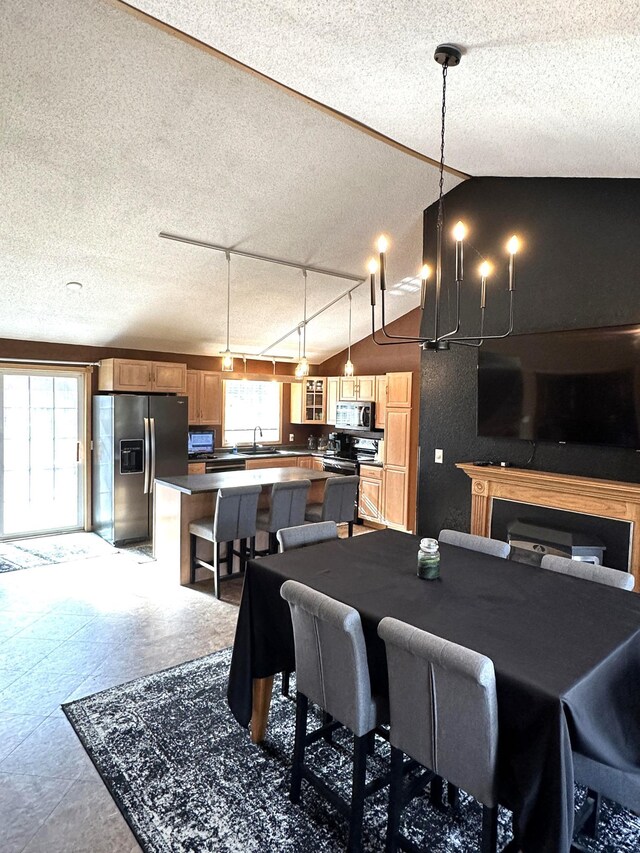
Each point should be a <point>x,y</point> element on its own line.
<point>339,502</point>
<point>588,571</point>
<point>483,544</point>
<point>306,534</point>
<point>332,671</point>
<point>601,781</point>
<point>286,508</point>
<point>443,711</point>
<point>234,519</point>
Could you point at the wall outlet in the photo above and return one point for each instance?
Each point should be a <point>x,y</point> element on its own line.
<point>292,437</point>
<point>439,455</point>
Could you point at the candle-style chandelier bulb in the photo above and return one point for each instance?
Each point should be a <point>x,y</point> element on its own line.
<point>485,269</point>
<point>425,272</point>
<point>460,231</point>
<point>383,244</point>
<point>513,245</point>
<point>372,266</point>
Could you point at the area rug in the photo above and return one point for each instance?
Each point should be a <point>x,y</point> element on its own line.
<point>188,780</point>
<point>50,550</point>
<point>142,552</point>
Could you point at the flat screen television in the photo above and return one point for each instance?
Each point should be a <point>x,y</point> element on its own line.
<point>579,386</point>
<point>202,442</point>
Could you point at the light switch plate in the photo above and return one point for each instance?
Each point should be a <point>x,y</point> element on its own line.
<point>292,437</point>
<point>439,455</point>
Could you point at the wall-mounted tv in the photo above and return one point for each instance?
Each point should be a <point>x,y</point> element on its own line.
<point>579,386</point>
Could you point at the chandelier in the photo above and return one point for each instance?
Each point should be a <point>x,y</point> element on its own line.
<point>448,56</point>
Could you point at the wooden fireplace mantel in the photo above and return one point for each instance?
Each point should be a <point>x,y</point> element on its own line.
<point>587,495</point>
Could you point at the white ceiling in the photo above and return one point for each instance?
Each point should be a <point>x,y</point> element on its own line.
<point>114,130</point>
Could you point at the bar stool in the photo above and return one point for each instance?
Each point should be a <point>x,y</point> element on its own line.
<point>234,519</point>
<point>287,508</point>
<point>339,503</point>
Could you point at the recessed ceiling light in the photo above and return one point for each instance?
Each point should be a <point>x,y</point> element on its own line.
<point>74,286</point>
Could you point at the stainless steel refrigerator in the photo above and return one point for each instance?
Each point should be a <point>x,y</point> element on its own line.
<point>136,438</point>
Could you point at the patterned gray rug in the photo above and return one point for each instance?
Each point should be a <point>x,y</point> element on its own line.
<point>188,780</point>
<point>50,550</point>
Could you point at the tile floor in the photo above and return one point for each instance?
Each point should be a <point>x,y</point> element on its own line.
<point>67,631</point>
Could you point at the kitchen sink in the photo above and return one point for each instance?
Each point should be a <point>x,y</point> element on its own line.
<point>259,451</point>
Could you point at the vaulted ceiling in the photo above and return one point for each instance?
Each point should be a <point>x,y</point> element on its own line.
<point>115,129</point>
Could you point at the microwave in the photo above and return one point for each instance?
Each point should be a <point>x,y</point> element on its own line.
<point>355,415</point>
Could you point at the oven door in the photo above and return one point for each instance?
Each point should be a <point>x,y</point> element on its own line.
<point>338,466</point>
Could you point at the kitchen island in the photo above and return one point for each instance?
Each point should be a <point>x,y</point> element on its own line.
<point>180,500</point>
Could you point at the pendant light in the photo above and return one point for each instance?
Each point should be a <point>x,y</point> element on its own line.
<point>298,374</point>
<point>448,56</point>
<point>227,358</point>
<point>348,368</point>
<point>303,365</point>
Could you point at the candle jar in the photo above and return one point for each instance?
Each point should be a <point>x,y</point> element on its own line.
<point>429,559</point>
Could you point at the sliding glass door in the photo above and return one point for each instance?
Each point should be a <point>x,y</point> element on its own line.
<point>41,452</point>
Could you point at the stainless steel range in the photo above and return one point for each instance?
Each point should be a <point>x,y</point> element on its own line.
<point>348,453</point>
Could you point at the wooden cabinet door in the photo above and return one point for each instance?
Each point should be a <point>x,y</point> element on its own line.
<point>366,389</point>
<point>396,437</point>
<point>316,464</point>
<point>333,391</point>
<point>210,397</point>
<point>193,393</point>
<point>369,499</point>
<point>304,461</point>
<point>297,403</point>
<point>274,462</point>
<point>381,400</point>
<point>399,390</point>
<point>168,377</point>
<point>197,468</point>
<point>131,375</point>
<point>395,497</point>
<point>348,389</point>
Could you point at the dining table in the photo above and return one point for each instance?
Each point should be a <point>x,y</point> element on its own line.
<point>566,654</point>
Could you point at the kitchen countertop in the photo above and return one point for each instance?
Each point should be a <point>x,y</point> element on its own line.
<point>194,484</point>
<point>224,458</point>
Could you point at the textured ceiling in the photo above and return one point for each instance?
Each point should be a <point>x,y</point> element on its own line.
<point>114,130</point>
<point>546,87</point>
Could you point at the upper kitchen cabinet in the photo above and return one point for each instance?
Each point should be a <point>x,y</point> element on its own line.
<point>399,390</point>
<point>121,374</point>
<point>381,400</point>
<point>360,388</point>
<point>308,400</point>
<point>333,391</point>
<point>205,398</point>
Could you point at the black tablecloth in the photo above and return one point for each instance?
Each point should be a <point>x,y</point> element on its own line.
<point>566,654</point>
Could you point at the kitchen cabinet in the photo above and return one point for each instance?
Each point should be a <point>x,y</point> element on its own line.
<point>308,400</point>
<point>316,463</point>
<point>304,461</point>
<point>397,452</point>
<point>205,398</point>
<point>360,388</point>
<point>197,468</point>
<point>381,400</point>
<point>399,390</point>
<point>370,493</point>
<point>273,462</point>
<point>333,394</point>
<point>122,374</point>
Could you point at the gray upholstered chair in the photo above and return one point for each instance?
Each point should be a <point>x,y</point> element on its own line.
<point>588,571</point>
<point>444,714</point>
<point>339,502</point>
<point>483,544</point>
<point>234,519</point>
<point>332,671</point>
<point>306,534</point>
<point>287,508</point>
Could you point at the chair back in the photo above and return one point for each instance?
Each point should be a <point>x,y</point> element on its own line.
<point>483,544</point>
<point>340,496</point>
<point>443,707</point>
<point>288,504</point>
<point>331,657</point>
<point>306,534</point>
<point>236,513</point>
<point>588,571</point>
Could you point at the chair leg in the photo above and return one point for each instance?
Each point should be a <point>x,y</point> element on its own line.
<point>395,800</point>
<point>273,543</point>
<point>285,683</point>
<point>216,569</point>
<point>193,544</point>
<point>590,825</point>
<point>489,829</point>
<point>453,796</point>
<point>230,555</point>
<point>435,792</point>
<point>357,793</point>
<point>371,742</point>
<point>243,555</point>
<point>350,526</point>
<point>302,709</point>
<point>252,547</point>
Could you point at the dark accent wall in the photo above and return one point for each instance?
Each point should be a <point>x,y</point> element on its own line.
<point>579,268</point>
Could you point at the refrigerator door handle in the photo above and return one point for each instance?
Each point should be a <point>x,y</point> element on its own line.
<point>153,454</point>
<point>147,454</point>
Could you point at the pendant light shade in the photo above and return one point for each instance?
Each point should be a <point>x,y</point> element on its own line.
<point>227,358</point>
<point>303,365</point>
<point>348,368</point>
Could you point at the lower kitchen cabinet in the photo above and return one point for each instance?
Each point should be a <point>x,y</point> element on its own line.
<point>370,494</point>
<point>197,467</point>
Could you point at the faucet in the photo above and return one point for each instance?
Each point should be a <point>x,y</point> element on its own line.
<point>255,446</point>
